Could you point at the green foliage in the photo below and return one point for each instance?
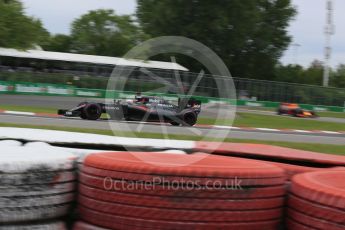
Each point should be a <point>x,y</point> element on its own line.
<point>102,32</point>
<point>59,43</point>
<point>249,36</point>
<point>18,30</point>
<point>312,75</point>
<point>338,77</point>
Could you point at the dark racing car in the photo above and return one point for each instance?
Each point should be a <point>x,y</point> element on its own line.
<point>148,109</point>
<point>294,110</point>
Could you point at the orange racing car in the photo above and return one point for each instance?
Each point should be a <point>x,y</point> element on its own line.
<point>295,110</point>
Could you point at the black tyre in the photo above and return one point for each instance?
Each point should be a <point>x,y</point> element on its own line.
<point>297,112</point>
<point>92,111</point>
<point>189,119</point>
<point>82,113</point>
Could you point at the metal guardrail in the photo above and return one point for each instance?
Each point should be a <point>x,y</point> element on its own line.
<point>138,80</point>
<point>67,90</point>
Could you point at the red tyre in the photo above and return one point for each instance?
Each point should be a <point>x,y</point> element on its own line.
<point>172,165</point>
<point>122,222</point>
<point>179,214</point>
<point>268,152</point>
<point>315,210</point>
<point>322,187</point>
<point>108,184</point>
<point>313,222</point>
<point>181,202</point>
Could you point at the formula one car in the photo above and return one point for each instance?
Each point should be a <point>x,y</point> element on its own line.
<point>148,109</point>
<point>295,110</point>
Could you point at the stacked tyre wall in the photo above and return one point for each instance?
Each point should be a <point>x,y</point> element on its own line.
<point>37,187</point>
<point>235,186</point>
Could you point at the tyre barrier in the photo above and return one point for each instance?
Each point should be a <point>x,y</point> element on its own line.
<point>41,226</point>
<point>292,170</point>
<point>166,194</point>
<point>292,161</point>
<point>36,185</point>
<point>12,143</point>
<point>317,201</point>
<point>272,153</point>
<point>50,184</point>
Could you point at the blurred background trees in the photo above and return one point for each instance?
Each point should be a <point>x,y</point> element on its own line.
<point>18,30</point>
<point>250,36</point>
<point>102,32</point>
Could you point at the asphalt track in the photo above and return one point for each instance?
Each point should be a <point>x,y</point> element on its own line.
<point>320,138</point>
<point>61,102</point>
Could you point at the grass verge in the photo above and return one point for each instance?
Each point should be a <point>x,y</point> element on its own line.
<point>321,114</point>
<point>276,122</point>
<point>32,109</point>
<point>322,148</point>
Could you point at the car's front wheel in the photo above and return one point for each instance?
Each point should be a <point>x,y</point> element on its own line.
<point>189,119</point>
<point>91,112</point>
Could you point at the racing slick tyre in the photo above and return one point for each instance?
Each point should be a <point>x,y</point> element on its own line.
<point>92,111</point>
<point>189,119</point>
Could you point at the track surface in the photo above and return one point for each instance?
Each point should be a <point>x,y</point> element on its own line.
<point>62,102</point>
<point>157,128</point>
<point>68,102</point>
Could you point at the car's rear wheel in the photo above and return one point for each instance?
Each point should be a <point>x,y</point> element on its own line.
<point>189,119</point>
<point>91,112</point>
